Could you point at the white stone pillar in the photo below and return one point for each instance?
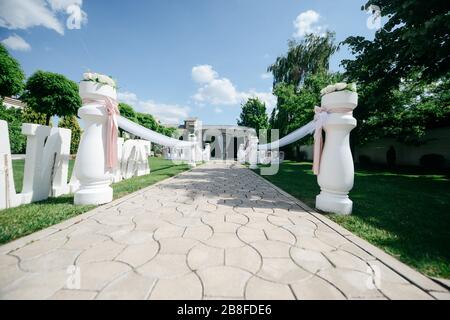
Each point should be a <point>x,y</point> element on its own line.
<point>192,151</point>
<point>207,152</point>
<point>94,177</point>
<point>336,173</point>
<point>241,154</point>
<point>253,154</point>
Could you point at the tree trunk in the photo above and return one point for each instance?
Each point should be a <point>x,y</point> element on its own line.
<point>47,119</point>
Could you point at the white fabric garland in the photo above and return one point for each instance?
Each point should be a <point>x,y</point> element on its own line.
<point>150,135</point>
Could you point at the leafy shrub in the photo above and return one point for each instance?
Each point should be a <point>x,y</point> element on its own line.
<point>364,160</point>
<point>14,118</point>
<point>432,161</point>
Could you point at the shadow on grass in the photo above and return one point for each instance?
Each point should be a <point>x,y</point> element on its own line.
<point>404,213</point>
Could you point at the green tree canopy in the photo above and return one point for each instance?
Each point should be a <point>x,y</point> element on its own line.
<point>52,94</point>
<point>403,73</point>
<point>14,118</point>
<point>11,74</point>
<point>254,115</point>
<point>415,37</point>
<point>295,106</point>
<point>71,122</point>
<point>309,56</point>
<point>127,111</point>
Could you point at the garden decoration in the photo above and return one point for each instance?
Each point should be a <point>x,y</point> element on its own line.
<point>333,162</point>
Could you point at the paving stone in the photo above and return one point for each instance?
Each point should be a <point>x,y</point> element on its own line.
<point>440,295</point>
<point>165,266</point>
<point>279,221</point>
<point>309,260</point>
<point>103,251</point>
<point>224,240</point>
<point>9,274</point>
<point>130,286</point>
<point>58,259</point>
<point>168,231</point>
<point>176,245</point>
<point>39,247</point>
<point>408,291</point>
<point>259,289</point>
<point>313,243</point>
<point>282,270</point>
<point>187,287</point>
<point>67,294</point>
<point>343,259</point>
<point>225,227</point>
<point>245,258</point>
<point>83,241</point>
<point>202,232</point>
<point>250,235</point>
<point>315,288</point>
<point>138,254</point>
<point>36,286</point>
<point>202,256</point>
<point>272,249</point>
<point>224,281</point>
<point>354,284</point>
<point>282,235</point>
<point>96,275</point>
<point>236,218</point>
<point>218,231</point>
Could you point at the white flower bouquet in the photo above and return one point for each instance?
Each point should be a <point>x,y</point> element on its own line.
<point>338,87</point>
<point>99,78</point>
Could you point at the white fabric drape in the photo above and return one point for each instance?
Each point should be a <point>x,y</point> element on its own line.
<point>150,135</point>
<point>309,128</point>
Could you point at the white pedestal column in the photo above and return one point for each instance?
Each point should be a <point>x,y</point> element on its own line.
<point>207,152</point>
<point>91,165</point>
<point>253,155</point>
<point>192,151</point>
<point>336,173</point>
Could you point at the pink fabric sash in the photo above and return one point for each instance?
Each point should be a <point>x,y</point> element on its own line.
<point>320,118</point>
<point>112,109</point>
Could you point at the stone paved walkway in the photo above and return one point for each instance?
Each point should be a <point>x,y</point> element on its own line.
<point>218,231</point>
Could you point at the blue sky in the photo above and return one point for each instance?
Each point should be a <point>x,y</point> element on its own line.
<point>173,58</point>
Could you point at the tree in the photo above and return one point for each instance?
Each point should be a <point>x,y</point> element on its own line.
<point>403,73</point>
<point>254,115</point>
<point>127,111</point>
<point>415,38</point>
<point>31,116</point>
<point>51,94</point>
<point>11,74</point>
<point>310,56</point>
<point>295,106</point>
<point>71,122</point>
<point>14,118</point>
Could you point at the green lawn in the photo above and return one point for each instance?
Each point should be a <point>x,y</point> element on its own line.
<point>20,221</point>
<point>405,213</point>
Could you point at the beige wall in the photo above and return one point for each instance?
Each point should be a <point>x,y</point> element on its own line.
<point>437,142</point>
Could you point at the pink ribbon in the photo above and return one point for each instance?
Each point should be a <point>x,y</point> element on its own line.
<point>112,109</point>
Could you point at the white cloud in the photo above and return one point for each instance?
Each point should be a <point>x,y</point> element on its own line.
<point>221,91</point>
<point>24,14</point>
<point>306,23</point>
<point>203,73</point>
<point>166,113</point>
<point>266,75</point>
<point>15,42</point>
<point>218,110</point>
